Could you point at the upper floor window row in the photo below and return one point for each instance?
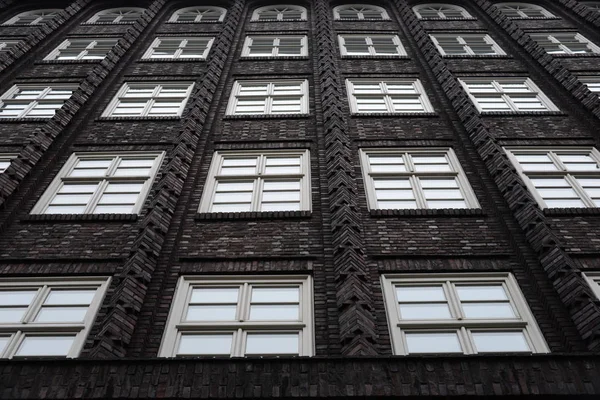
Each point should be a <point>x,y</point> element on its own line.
<point>199,15</point>
<point>125,15</point>
<point>524,11</point>
<point>279,13</point>
<point>34,101</point>
<point>360,12</point>
<point>441,11</point>
<point>76,49</point>
<point>33,17</point>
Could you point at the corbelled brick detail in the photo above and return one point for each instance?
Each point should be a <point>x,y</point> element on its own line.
<point>584,12</point>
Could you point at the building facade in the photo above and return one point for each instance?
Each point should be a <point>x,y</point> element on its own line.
<point>317,199</point>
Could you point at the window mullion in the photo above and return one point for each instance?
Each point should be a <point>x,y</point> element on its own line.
<point>417,191</point>
<point>96,196</point>
<point>466,340</point>
<point>36,304</point>
<point>576,186</point>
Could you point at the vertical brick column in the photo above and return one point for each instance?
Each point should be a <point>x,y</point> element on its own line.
<point>131,281</point>
<point>574,292</point>
<point>354,299</point>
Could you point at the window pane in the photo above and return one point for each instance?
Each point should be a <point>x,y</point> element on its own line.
<point>275,295</point>
<point>274,312</point>
<point>12,314</point>
<point>434,342</point>
<point>61,314</point>
<point>3,342</point>
<point>420,294</point>
<point>205,344</point>
<point>424,311</point>
<point>491,292</point>
<point>66,297</point>
<point>215,295</point>
<point>488,310</point>
<point>276,343</point>
<point>16,297</point>
<point>46,345</point>
<point>211,313</point>
<point>500,342</point>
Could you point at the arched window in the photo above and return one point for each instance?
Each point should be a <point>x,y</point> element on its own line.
<point>359,11</point>
<point>594,5</point>
<point>524,10</point>
<point>199,14</point>
<point>33,17</point>
<point>279,13</point>
<point>440,11</point>
<point>124,15</point>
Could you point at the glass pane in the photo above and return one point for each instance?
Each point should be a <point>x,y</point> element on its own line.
<point>275,295</point>
<point>424,311</point>
<point>491,292</point>
<point>434,342</point>
<point>209,344</point>
<point>500,342</point>
<point>420,294</point>
<point>3,342</point>
<point>488,310</point>
<point>215,295</point>
<point>274,312</point>
<point>12,315</point>
<point>61,314</point>
<point>272,343</point>
<point>16,297</point>
<point>65,297</point>
<point>45,345</point>
<point>211,313</point>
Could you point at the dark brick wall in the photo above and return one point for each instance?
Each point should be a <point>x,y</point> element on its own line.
<point>343,245</point>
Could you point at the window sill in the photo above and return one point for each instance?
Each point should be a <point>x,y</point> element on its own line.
<point>21,120</point>
<point>252,215</point>
<point>571,211</point>
<point>484,56</point>
<point>113,119</point>
<point>441,212</point>
<point>47,62</point>
<point>194,22</point>
<point>534,18</point>
<point>107,23</point>
<point>168,60</point>
<point>267,116</point>
<point>586,55</point>
<point>447,19</point>
<point>521,113</point>
<point>395,115</point>
<point>273,58</point>
<point>279,20</point>
<point>375,57</point>
<point>363,20</point>
<point>79,217</point>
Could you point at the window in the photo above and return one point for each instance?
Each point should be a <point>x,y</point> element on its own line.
<point>34,17</point>
<point>278,97</point>
<point>593,278</point>
<point>523,10</point>
<point>7,44</point>
<point>82,49</point>
<point>199,14</point>
<point>592,82</point>
<point>101,183</point>
<point>359,11</point>
<point>466,44</point>
<point>560,177</point>
<point>279,13</point>
<point>393,96</point>
<point>275,46</point>
<point>441,11</point>
<point>34,101</point>
<point>47,317</point>
<point>167,99</point>
<point>240,316</point>
<point>5,160</point>
<point>415,178</point>
<point>565,43</point>
<point>178,48</point>
<point>117,16</point>
<point>371,45</point>
<point>506,94</point>
<point>240,181</point>
<point>594,5</point>
<point>459,313</point>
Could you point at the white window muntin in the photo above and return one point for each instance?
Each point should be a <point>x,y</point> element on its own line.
<point>524,10</point>
<point>268,180</point>
<point>559,177</point>
<point>26,300</point>
<point>199,15</point>
<point>403,182</point>
<point>74,49</point>
<point>592,82</point>
<point>372,45</point>
<point>101,183</point>
<point>274,97</point>
<point>441,11</point>
<point>472,44</point>
<point>275,46</point>
<point>516,94</point>
<point>5,160</point>
<point>593,279</point>
<point>565,43</point>
<point>174,48</point>
<point>33,17</point>
<point>34,101</point>
<point>280,12</point>
<point>125,15</point>
<point>447,314</point>
<point>359,12</point>
<point>389,96</point>
<point>239,305</point>
<point>139,99</point>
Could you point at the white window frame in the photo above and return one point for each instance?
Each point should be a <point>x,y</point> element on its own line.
<point>6,158</point>
<point>41,19</point>
<point>441,15</point>
<point>551,36</point>
<point>550,106</point>
<point>62,176</point>
<point>176,324</point>
<point>6,96</point>
<point>368,176</point>
<point>175,16</point>
<point>382,11</point>
<point>387,96</point>
<point>27,326</point>
<point>276,40</point>
<point>523,13</point>
<point>117,19</point>
<point>400,51</point>
<point>212,179</point>
<point>562,172</point>
<point>462,39</point>
<point>177,56</point>
<point>280,14</point>
<point>92,43</point>
<point>460,324</point>
<point>593,279</point>
<point>592,82</point>
<point>235,91</point>
<point>112,106</point>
